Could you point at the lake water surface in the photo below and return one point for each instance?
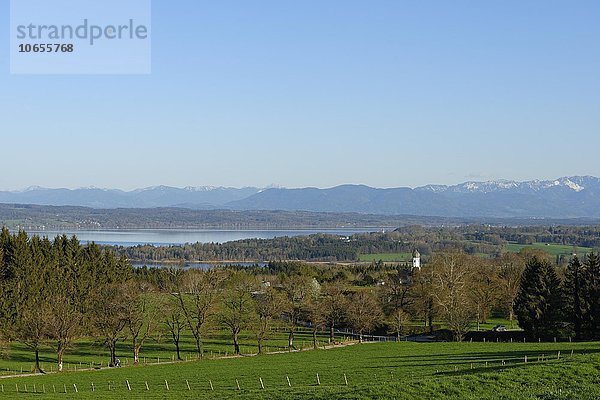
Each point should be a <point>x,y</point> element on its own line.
<point>167,237</point>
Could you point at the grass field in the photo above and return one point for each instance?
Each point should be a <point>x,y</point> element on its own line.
<point>386,257</point>
<point>17,359</point>
<point>379,370</point>
<point>552,249</point>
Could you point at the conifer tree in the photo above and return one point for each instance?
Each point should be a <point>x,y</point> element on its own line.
<point>538,306</point>
<point>592,294</point>
<point>574,290</point>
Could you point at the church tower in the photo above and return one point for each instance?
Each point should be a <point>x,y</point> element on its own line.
<point>416,263</point>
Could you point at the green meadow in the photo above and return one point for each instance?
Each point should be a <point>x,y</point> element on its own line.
<point>386,257</point>
<point>16,359</point>
<point>552,249</point>
<point>390,370</point>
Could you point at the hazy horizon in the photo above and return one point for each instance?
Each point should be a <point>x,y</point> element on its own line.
<point>33,187</point>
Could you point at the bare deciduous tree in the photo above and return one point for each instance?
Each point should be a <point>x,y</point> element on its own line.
<point>511,270</point>
<point>335,306</point>
<point>269,305</point>
<point>238,310</point>
<point>110,317</point>
<point>64,324</point>
<point>197,296</point>
<point>175,322</point>
<point>364,312</point>
<point>142,314</point>
<point>484,288</point>
<point>451,279</point>
<point>421,290</point>
<point>399,322</point>
<point>298,289</point>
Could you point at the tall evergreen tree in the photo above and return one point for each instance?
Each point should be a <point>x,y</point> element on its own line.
<point>30,319</point>
<point>592,294</point>
<point>576,301</point>
<point>538,306</point>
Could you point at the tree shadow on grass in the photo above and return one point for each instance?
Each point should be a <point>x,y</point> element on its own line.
<point>481,357</point>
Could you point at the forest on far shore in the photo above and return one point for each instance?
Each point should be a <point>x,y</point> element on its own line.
<point>482,240</point>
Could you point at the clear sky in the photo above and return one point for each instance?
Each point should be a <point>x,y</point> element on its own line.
<point>318,93</point>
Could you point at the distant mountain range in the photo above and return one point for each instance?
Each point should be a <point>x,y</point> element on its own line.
<point>205,197</point>
<point>568,197</point>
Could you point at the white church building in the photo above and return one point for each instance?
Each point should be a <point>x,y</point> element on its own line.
<point>416,260</point>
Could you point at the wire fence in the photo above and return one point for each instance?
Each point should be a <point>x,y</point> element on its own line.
<point>326,379</point>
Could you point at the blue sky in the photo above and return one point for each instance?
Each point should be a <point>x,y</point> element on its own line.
<point>320,93</point>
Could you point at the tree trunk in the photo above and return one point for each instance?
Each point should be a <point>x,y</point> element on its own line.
<point>260,345</point>
<point>176,340</point>
<point>112,347</point>
<point>291,340</point>
<point>511,317</point>
<point>577,309</point>
<point>59,359</point>
<point>199,348</point>
<point>178,350</point>
<point>315,342</point>
<point>430,318</point>
<point>136,355</point>
<point>332,334</point>
<point>37,367</point>
<point>236,345</point>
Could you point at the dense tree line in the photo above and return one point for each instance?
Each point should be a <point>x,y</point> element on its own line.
<point>51,290</point>
<point>547,306</point>
<point>473,239</point>
<point>314,247</point>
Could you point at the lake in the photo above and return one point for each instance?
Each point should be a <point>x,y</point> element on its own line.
<point>198,265</point>
<point>168,237</point>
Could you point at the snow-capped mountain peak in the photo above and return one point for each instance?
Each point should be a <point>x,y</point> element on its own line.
<point>576,184</point>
